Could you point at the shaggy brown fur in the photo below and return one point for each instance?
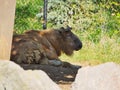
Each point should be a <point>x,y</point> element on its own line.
<point>41,46</point>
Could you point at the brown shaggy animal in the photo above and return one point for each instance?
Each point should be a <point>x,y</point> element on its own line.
<point>41,46</point>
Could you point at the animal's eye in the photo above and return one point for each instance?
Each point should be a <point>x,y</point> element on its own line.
<point>68,35</point>
<point>67,32</point>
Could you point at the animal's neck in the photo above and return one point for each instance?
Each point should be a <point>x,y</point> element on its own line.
<point>54,38</point>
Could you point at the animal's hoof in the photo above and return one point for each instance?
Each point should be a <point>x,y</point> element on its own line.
<point>55,62</point>
<point>76,66</point>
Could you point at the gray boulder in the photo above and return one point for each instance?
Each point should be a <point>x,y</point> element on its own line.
<point>13,77</point>
<point>102,77</point>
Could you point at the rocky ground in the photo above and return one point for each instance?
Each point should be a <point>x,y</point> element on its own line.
<point>100,77</point>
<point>63,76</point>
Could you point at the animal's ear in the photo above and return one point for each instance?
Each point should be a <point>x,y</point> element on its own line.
<point>61,29</point>
<point>69,28</point>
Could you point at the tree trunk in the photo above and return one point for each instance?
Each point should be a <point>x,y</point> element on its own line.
<point>7,13</point>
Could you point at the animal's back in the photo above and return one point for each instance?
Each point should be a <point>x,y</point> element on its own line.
<point>35,46</point>
<point>32,47</point>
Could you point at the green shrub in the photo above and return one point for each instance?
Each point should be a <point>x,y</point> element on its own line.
<point>25,17</point>
<point>96,22</point>
<point>90,16</point>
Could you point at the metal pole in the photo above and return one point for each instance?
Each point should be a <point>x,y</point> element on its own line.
<point>45,14</point>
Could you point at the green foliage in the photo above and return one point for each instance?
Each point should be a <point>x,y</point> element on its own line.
<point>91,16</point>
<point>94,16</point>
<point>113,25</point>
<point>25,17</point>
<point>96,22</point>
<point>113,6</point>
<point>95,36</point>
<point>106,50</point>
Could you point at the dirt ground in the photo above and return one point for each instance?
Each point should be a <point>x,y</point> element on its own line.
<point>63,76</point>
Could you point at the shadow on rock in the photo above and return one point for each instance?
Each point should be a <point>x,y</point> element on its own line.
<point>59,74</point>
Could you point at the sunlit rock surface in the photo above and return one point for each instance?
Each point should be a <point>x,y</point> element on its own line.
<point>102,77</point>
<point>13,77</point>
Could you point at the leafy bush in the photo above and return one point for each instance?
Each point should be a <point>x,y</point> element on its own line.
<point>96,22</point>
<point>90,16</point>
<point>94,16</point>
<point>25,17</point>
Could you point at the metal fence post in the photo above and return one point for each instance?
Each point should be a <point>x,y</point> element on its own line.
<point>45,14</point>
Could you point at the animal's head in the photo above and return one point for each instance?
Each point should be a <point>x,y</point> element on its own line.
<point>70,40</point>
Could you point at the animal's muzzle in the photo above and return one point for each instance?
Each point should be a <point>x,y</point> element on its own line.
<point>78,46</point>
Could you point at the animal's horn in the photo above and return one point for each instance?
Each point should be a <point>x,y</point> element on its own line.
<point>62,28</point>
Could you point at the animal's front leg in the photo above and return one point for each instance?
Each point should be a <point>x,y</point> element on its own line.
<point>55,62</point>
<point>58,62</point>
<point>69,65</point>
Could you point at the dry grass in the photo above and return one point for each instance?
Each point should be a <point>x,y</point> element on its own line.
<point>65,86</point>
<point>107,50</point>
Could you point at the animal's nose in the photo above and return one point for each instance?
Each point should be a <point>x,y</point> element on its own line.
<point>79,46</point>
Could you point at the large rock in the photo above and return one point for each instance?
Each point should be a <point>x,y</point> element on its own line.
<point>102,77</point>
<point>13,77</point>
